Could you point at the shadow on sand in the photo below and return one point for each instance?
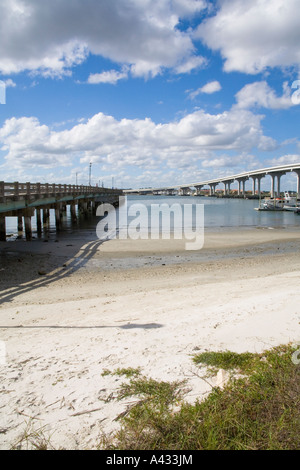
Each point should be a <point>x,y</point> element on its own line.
<point>144,326</point>
<point>18,279</point>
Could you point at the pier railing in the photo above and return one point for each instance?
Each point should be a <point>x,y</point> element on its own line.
<point>18,190</point>
<point>21,200</point>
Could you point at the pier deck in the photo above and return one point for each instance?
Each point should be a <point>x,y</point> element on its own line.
<point>22,200</point>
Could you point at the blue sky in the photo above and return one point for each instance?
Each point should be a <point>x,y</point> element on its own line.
<point>152,92</point>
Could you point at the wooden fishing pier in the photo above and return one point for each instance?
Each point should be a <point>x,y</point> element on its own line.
<point>24,200</point>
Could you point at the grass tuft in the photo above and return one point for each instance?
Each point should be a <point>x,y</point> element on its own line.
<point>33,438</point>
<point>227,360</point>
<point>260,411</point>
<point>128,372</point>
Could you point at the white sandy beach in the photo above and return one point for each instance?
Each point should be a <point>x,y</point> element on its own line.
<point>68,312</point>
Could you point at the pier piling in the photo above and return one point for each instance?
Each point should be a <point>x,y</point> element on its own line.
<point>24,200</point>
<point>20,226</point>
<point>38,222</point>
<point>2,228</point>
<point>58,217</point>
<point>28,228</point>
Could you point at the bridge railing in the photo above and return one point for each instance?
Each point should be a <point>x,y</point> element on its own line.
<point>17,189</point>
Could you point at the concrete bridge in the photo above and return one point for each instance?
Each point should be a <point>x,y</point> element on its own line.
<point>23,200</point>
<point>275,174</point>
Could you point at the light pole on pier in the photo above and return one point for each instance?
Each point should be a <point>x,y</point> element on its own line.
<point>90,174</point>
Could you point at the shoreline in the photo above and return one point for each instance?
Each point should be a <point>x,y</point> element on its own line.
<point>132,304</point>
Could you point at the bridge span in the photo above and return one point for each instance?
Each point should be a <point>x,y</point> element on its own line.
<point>23,200</point>
<point>275,173</point>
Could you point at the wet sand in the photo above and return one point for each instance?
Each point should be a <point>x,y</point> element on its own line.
<point>70,310</point>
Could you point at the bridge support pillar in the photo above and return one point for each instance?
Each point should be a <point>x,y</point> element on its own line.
<point>277,174</point>
<point>212,189</point>
<point>258,178</point>
<point>241,181</point>
<point>2,228</point>
<point>298,182</point>
<point>272,185</point>
<point>184,191</point>
<point>253,185</point>
<point>227,187</point>
<point>244,186</point>
<point>278,184</point>
<point>239,187</point>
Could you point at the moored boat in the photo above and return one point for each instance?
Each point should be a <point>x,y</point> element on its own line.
<point>270,204</point>
<point>287,203</point>
<point>291,203</point>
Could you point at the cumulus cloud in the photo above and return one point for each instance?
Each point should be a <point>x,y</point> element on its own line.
<point>284,160</point>
<point>27,143</point>
<point>253,35</point>
<point>10,83</point>
<point>51,37</point>
<point>209,88</point>
<point>128,143</point>
<point>230,161</point>
<point>260,94</point>
<point>191,63</point>
<point>108,76</point>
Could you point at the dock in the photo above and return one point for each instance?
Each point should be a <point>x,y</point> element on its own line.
<point>24,200</point>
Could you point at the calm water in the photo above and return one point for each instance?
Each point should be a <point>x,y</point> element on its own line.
<point>219,214</point>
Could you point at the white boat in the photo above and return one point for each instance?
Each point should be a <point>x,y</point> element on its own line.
<point>270,204</point>
<point>287,203</point>
<point>291,203</point>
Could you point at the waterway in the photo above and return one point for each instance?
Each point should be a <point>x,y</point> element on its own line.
<point>219,214</point>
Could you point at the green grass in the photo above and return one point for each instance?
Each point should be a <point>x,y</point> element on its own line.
<point>128,372</point>
<point>33,438</point>
<point>227,360</point>
<point>260,411</point>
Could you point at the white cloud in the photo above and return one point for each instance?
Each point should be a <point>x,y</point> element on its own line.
<point>124,144</point>
<point>260,94</point>
<point>189,7</point>
<point>108,76</point>
<point>229,161</point>
<point>10,83</point>
<point>253,35</point>
<point>284,160</point>
<point>209,88</point>
<point>191,63</point>
<point>51,37</point>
